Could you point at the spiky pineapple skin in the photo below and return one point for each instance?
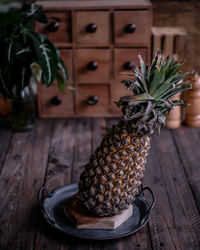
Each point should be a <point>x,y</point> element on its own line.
<point>113,175</point>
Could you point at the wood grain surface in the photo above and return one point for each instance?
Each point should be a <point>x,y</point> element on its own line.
<point>102,21</point>
<point>63,34</point>
<point>83,219</point>
<point>101,73</point>
<point>179,13</point>
<point>54,154</point>
<point>141,33</point>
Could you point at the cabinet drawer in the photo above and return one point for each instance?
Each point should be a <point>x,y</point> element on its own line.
<point>93,65</point>
<point>53,103</point>
<point>58,28</point>
<point>126,59</point>
<point>131,27</point>
<point>92,27</point>
<point>93,100</point>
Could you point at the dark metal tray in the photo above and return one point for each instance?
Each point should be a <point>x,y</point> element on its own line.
<point>52,208</point>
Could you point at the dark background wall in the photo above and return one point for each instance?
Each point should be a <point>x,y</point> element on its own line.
<point>184,14</point>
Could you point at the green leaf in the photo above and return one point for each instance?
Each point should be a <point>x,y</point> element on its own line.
<point>153,66</point>
<point>174,70</point>
<point>134,99</point>
<point>63,69</point>
<point>46,53</point>
<point>176,91</point>
<point>61,83</point>
<point>168,65</point>
<point>158,78</point>
<point>140,78</point>
<point>170,86</point>
<point>143,71</point>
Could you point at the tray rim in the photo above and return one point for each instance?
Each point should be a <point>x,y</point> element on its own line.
<point>142,223</point>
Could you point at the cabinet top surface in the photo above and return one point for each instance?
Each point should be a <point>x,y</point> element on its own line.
<point>96,4</point>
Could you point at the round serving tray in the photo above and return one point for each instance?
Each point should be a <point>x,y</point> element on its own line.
<point>52,208</point>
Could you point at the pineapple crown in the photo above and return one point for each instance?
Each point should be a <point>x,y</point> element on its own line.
<point>145,111</point>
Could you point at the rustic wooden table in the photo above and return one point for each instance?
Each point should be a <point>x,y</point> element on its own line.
<point>54,154</point>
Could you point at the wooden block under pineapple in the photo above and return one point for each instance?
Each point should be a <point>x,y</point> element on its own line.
<point>83,219</point>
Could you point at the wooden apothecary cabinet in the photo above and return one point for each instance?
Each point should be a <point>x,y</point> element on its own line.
<point>97,39</point>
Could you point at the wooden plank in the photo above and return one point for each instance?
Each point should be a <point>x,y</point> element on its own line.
<point>83,148</point>
<point>187,143</point>
<point>61,154</point>
<point>98,132</point>
<point>58,174</point>
<point>104,4</point>
<point>185,213</point>
<point>168,46</point>
<point>181,46</point>
<point>168,30</point>
<point>5,138</point>
<point>161,225</point>
<point>22,175</point>
<point>184,14</point>
<point>156,42</point>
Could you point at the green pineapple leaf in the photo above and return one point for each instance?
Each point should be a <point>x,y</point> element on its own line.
<point>145,111</point>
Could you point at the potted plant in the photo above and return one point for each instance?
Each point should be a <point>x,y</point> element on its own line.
<point>26,56</point>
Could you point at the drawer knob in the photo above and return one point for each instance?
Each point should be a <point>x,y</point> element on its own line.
<point>56,100</point>
<point>91,28</point>
<point>92,65</point>
<point>92,100</point>
<point>53,26</point>
<point>130,28</point>
<point>128,65</point>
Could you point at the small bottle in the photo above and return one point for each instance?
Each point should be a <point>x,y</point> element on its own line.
<point>193,98</point>
<point>174,118</point>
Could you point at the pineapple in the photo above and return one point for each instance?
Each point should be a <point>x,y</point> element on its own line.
<point>112,177</point>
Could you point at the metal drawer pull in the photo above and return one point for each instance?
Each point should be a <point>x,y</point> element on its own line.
<point>56,100</point>
<point>128,65</point>
<point>54,24</point>
<point>92,100</point>
<point>92,65</point>
<point>91,28</point>
<point>130,28</point>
